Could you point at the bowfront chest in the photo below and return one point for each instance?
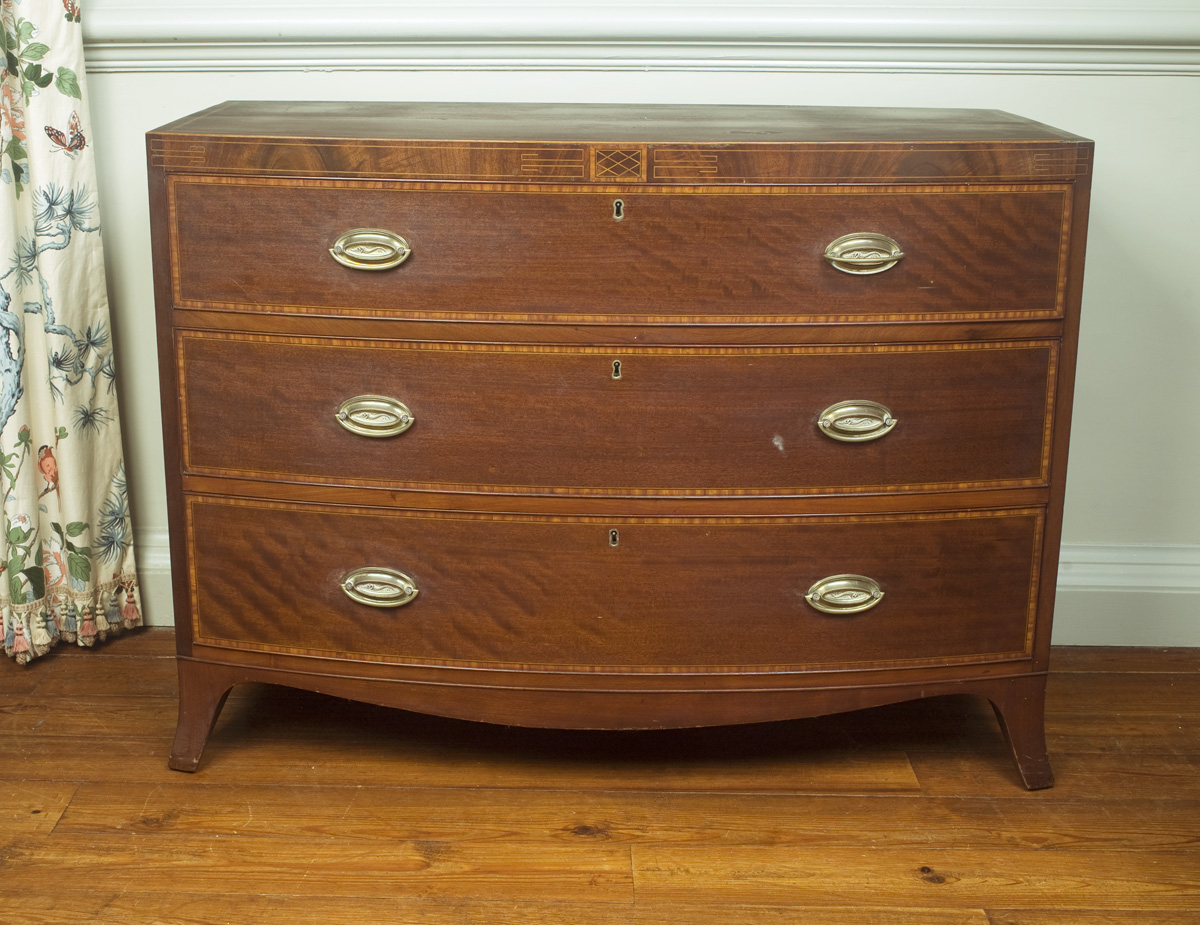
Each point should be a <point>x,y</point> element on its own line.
<point>617,417</point>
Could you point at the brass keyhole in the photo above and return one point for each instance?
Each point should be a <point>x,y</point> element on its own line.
<point>614,538</point>
<point>616,374</point>
<point>618,209</point>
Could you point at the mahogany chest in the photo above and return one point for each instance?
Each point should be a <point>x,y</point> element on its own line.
<point>617,417</point>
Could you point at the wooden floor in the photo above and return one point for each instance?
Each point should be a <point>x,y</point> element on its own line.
<point>311,811</point>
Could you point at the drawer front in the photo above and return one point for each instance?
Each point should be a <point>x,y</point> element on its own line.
<point>613,595</point>
<point>748,254</point>
<point>592,421</point>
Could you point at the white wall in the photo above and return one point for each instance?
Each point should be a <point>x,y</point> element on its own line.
<point>1128,78</point>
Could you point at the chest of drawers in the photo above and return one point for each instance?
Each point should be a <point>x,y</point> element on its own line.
<point>616,417</point>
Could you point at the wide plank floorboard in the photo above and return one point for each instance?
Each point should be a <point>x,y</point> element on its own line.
<point>937,877</point>
<point>1088,917</point>
<point>329,867</point>
<point>33,807</point>
<point>117,908</point>
<point>308,810</point>
<point>697,819</point>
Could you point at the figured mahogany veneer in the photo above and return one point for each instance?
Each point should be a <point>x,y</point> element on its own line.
<point>613,342</point>
<point>751,428</point>
<point>548,254</point>
<point>698,594</point>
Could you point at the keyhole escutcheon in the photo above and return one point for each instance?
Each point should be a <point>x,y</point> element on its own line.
<point>618,209</point>
<point>616,373</point>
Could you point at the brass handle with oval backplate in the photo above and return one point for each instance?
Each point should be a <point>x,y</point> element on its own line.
<point>375,416</point>
<point>864,253</point>
<point>843,594</point>
<point>376,586</point>
<point>856,421</point>
<point>370,249</point>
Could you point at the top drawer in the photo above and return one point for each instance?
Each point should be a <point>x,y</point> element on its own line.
<point>735,254</point>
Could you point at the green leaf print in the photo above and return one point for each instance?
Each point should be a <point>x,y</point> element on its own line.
<point>15,149</point>
<point>37,579</point>
<point>35,51</point>
<point>15,589</point>
<point>67,83</point>
<point>79,566</point>
<point>76,528</point>
<point>34,74</point>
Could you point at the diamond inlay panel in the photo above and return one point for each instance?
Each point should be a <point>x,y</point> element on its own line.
<point>619,164</point>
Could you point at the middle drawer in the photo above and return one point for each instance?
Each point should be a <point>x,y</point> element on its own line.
<point>587,420</point>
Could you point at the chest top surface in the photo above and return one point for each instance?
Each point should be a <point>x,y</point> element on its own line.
<point>664,144</point>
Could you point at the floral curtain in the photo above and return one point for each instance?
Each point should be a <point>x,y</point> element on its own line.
<point>66,556</point>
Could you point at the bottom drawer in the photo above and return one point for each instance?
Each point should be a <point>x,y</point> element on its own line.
<point>638,595</point>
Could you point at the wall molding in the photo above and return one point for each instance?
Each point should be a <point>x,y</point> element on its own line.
<point>939,36</point>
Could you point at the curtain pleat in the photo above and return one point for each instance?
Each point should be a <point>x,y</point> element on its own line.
<point>67,569</point>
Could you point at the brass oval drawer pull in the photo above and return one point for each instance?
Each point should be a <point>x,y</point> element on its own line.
<point>379,587</point>
<point>856,421</point>
<point>844,594</point>
<point>863,253</point>
<point>375,416</point>
<point>370,249</point>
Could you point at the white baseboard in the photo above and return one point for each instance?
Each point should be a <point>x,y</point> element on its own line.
<point>154,577</point>
<point>1128,596</point>
<point>1107,595</point>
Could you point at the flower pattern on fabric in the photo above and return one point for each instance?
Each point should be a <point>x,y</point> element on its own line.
<point>67,569</point>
